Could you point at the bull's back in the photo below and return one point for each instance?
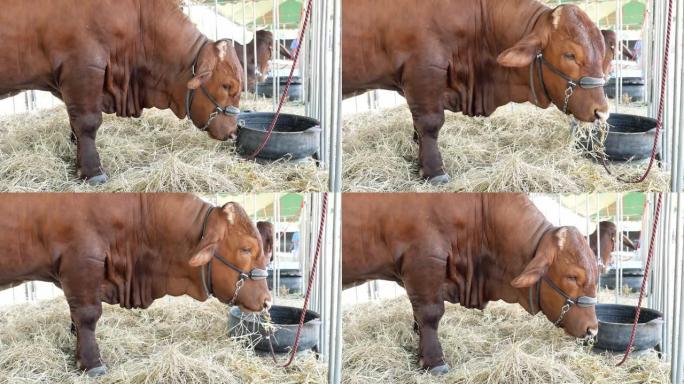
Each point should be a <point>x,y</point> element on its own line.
<point>38,40</point>
<point>380,229</point>
<point>381,37</point>
<point>41,231</point>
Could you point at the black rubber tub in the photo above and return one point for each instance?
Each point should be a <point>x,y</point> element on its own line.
<point>291,279</point>
<point>285,320</point>
<point>629,137</point>
<point>615,326</point>
<point>294,137</point>
<point>265,88</point>
<point>633,87</point>
<point>632,277</point>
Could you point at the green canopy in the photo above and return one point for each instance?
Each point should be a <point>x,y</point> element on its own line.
<point>604,206</point>
<point>263,205</point>
<point>262,11</point>
<point>290,14</point>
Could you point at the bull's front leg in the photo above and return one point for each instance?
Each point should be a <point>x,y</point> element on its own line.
<point>424,92</point>
<point>88,356</point>
<point>82,94</point>
<point>81,283</point>
<point>423,283</point>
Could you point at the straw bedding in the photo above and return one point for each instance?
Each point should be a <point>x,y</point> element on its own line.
<point>524,150</point>
<point>157,152</point>
<point>174,341</point>
<point>502,344</point>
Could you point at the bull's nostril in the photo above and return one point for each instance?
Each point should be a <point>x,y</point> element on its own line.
<point>603,116</point>
<point>592,332</point>
<point>267,304</point>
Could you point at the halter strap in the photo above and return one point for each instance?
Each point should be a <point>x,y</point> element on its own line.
<point>585,82</point>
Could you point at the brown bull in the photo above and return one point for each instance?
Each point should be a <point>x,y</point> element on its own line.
<point>266,231</point>
<point>468,249</point>
<point>264,53</point>
<point>130,249</point>
<point>472,56</point>
<point>608,235</point>
<point>118,57</point>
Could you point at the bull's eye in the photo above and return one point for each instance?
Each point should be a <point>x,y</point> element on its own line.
<point>570,56</point>
<point>226,87</point>
<point>246,250</point>
<point>573,278</point>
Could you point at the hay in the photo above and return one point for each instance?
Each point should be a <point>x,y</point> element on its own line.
<point>527,150</point>
<point>502,344</point>
<point>157,152</point>
<point>174,341</point>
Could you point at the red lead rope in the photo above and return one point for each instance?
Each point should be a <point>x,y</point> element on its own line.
<point>651,248</point>
<point>661,105</point>
<point>309,287</point>
<point>286,90</point>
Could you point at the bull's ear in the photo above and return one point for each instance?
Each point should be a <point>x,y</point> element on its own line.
<point>203,256</point>
<point>522,53</point>
<point>204,68</point>
<point>199,79</point>
<point>546,253</point>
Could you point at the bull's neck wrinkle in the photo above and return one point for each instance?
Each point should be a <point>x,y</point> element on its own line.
<point>507,32</point>
<point>512,258</point>
<point>170,43</point>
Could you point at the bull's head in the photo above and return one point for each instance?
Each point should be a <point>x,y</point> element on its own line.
<point>231,238</point>
<point>570,44</point>
<point>607,243</point>
<point>563,265</point>
<point>214,91</point>
<point>264,41</point>
<point>266,231</point>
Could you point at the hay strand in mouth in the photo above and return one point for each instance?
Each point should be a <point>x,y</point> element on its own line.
<point>527,150</point>
<point>502,344</point>
<point>174,341</point>
<point>157,152</point>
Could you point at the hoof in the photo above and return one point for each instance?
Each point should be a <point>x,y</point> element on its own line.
<point>97,180</point>
<point>439,370</point>
<point>440,180</point>
<point>97,372</point>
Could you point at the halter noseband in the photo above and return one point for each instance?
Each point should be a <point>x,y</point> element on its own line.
<point>586,82</point>
<point>254,274</point>
<point>581,301</point>
<point>228,110</point>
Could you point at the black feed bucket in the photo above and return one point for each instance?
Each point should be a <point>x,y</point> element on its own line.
<point>285,321</point>
<point>615,327</point>
<point>294,137</point>
<point>265,89</point>
<point>629,137</point>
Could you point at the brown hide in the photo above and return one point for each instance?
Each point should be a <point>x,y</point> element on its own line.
<point>115,57</point>
<point>126,249</point>
<point>468,249</point>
